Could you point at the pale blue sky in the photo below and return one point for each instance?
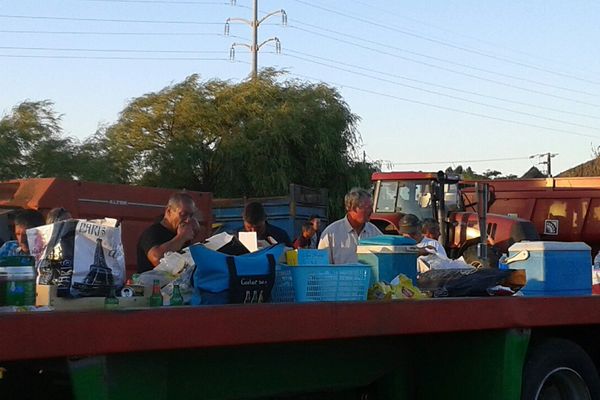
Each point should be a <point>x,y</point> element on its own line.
<point>431,80</point>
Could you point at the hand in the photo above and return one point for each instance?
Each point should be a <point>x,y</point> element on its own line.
<point>426,250</point>
<point>185,230</point>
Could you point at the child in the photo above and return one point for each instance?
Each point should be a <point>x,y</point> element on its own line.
<point>303,241</point>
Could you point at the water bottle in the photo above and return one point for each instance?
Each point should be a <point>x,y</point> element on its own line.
<point>502,262</point>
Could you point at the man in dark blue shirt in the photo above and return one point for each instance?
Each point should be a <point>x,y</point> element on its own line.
<point>255,220</point>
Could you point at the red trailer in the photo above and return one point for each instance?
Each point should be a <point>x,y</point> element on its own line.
<point>562,209</point>
<point>467,348</point>
<point>136,207</point>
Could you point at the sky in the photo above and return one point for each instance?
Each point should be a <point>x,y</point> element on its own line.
<point>435,83</point>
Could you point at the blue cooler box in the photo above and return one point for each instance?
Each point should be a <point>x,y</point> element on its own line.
<point>388,256</point>
<point>555,268</point>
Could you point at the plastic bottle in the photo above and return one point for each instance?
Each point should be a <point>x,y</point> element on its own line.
<point>156,299</point>
<point>597,262</point>
<point>111,301</point>
<point>502,262</point>
<point>176,297</point>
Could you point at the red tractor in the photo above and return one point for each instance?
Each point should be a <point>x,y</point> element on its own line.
<point>438,196</point>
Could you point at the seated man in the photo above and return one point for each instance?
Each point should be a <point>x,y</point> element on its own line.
<point>341,237</point>
<point>177,229</point>
<point>255,220</point>
<point>24,220</point>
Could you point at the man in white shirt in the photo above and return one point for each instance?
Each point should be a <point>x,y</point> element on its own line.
<point>341,237</point>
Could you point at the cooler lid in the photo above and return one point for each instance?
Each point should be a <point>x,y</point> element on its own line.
<point>549,246</point>
<point>387,240</point>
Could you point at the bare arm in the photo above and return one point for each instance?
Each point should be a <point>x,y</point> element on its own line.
<point>185,232</point>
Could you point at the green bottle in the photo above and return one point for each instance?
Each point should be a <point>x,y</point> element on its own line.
<point>111,301</point>
<point>156,299</point>
<point>176,297</point>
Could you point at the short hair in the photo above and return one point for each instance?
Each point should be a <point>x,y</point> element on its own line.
<point>409,224</point>
<point>314,216</point>
<point>177,199</point>
<point>57,214</point>
<point>307,226</point>
<point>29,219</point>
<point>355,197</point>
<point>254,213</point>
<point>430,224</point>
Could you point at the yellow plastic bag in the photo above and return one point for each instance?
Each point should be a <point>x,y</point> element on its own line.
<point>401,288</point>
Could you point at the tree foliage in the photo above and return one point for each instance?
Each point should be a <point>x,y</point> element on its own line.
<point>32,143</point>
<point>251,139</point>
<point>246,139</point>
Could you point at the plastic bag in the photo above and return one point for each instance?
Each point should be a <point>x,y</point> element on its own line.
<point>436,261</point>
<point>81,257</point>
<point>401,287</point>
<point>469,282</point>
<point>186,287</point>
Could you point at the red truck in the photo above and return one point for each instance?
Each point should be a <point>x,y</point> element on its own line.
<point>435,195</point>
<point>136,207</point>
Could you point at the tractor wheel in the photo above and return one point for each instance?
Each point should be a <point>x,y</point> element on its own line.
<point>558,369</point>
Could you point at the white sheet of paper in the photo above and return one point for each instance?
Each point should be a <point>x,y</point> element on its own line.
<point>249,240</point>
<point>217,241</point>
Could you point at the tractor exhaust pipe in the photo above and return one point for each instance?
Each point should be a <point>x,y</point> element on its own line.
<point>483,194</point>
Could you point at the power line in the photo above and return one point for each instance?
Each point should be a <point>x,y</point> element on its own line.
<point>447,44</point>
<point>441,59</point>
<point>412,101</point>
<point>112,50</point>
<point>457,161</point>
<point>161,2</point>
<point>113,58</point>
<point>112,33</point>
<point>486,42</point>
<point>454,89</point>
<point>111,20</point>
<point>429,91</point>
<point>497,82</point>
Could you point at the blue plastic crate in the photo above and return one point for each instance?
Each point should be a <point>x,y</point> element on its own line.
<point>331,282</point>
<point>283,289</point>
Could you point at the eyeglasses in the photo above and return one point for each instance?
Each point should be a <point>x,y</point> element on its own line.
<point>183,214</point>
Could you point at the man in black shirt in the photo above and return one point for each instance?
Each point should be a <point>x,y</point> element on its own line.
<point>177,229</point>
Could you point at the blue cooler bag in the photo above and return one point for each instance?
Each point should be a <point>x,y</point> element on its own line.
<point>223,279</point>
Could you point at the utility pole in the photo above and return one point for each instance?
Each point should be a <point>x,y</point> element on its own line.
<point>548,162</point>
<point>254,24</point>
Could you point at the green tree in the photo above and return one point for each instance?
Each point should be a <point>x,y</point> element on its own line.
<point>32,144</point>
<point>95,163</point>
<point>251,138</point>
